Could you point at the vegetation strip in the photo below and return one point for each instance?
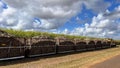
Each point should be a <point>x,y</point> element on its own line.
<point>28,34</point>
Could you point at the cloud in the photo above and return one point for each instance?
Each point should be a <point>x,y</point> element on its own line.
<point>52,13</point>
<point>102,26</point>
<point>117,1</point>
<point>113,15</point>
<point>48,15</point>
<point>1,5</point>
<point>66,31</point>
<point>97,5</point>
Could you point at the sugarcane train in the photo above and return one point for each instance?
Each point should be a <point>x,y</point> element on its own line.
<point>16,47</point>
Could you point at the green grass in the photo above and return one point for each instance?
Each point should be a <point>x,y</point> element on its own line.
<point>28,34</point>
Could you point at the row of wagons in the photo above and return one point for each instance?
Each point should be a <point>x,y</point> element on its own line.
<point>12,47</point>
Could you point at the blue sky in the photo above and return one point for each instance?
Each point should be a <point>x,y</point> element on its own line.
<point>88,14</point>
<point>85,16</point>
<point>95,18</point>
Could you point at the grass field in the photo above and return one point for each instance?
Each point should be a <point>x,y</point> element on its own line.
<point>71,60</point>
<point>28,34</point>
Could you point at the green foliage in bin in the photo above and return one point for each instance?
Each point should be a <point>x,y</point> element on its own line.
<point>28,34</point>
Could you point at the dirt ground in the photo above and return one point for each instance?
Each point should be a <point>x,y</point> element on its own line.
<point>69,60</point>
<point>111,63</point>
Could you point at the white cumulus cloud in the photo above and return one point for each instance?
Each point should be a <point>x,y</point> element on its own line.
<point>52,13</point>
<point>102,26</point>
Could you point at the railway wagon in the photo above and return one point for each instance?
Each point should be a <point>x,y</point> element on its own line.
<point>38,46</point>
<point>81,45</point>
<point>98,44</point>
<point>11,47</point>
<point>104,44</point>
<point>65,45</point>
<point>90,45</point>
<point>113,44</point>
<point>108,44</point>
<point>15,47</point>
